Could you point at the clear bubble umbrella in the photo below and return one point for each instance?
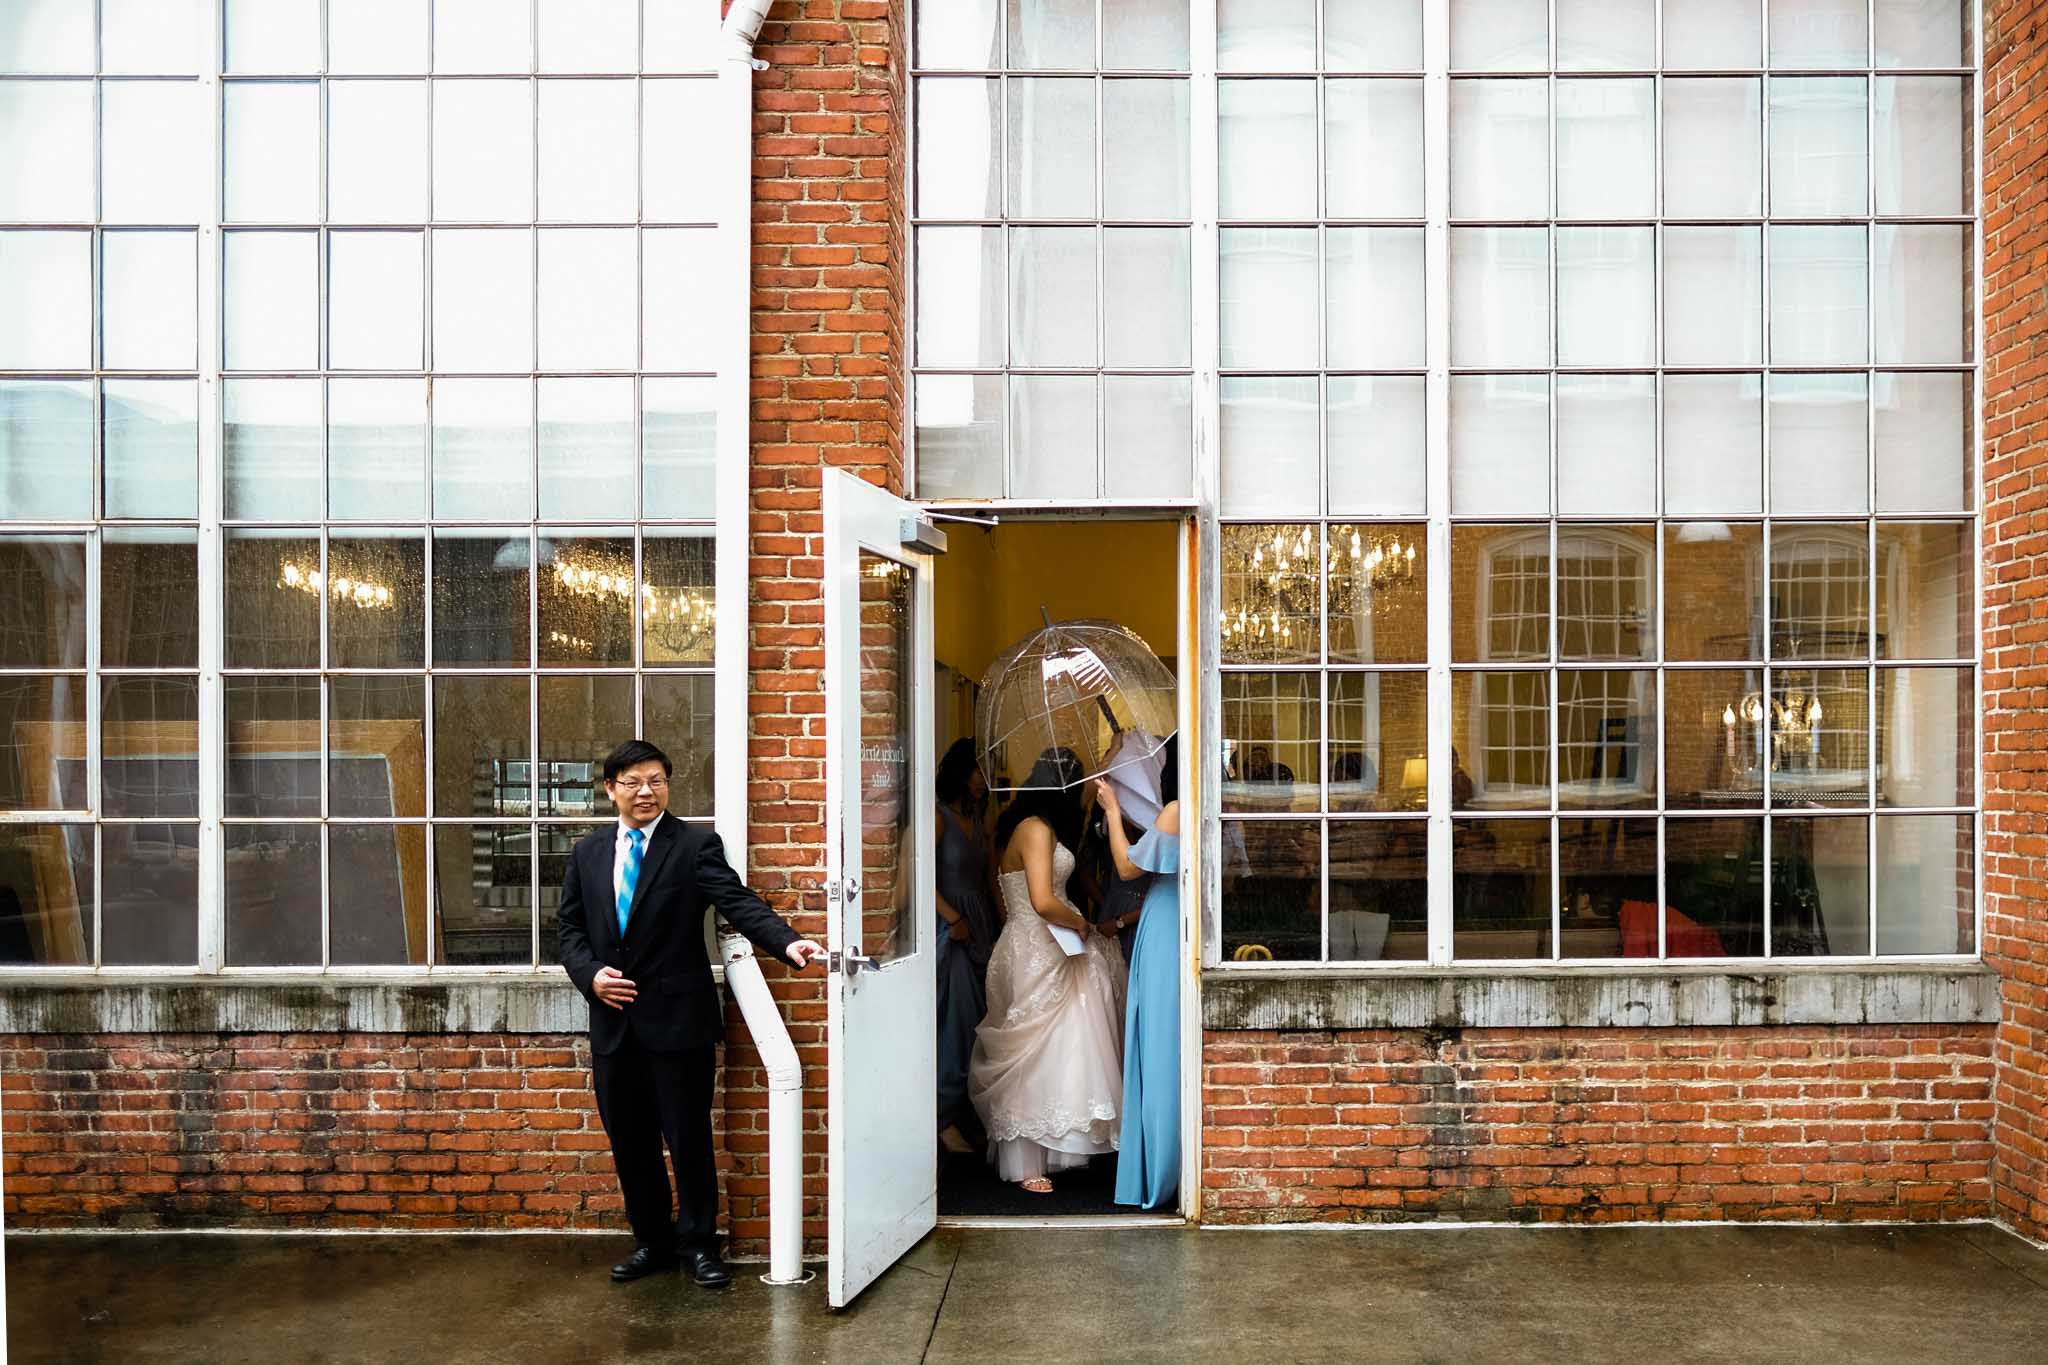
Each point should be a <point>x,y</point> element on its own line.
<point>1090,687</point>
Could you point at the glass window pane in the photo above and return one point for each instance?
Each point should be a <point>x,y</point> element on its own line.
<point>149,301</point>
<point>586,448</point>
<point>1372,133</point>
<point>1272,601</point>
<point>678,446</point>
<point>1148,434</point>
<point>589,35</point>
<point>1051,148</point>
<point>1926,736</point>
<point>1266,35</point>
<point>676,173</point>
<point>1268,444</point>
<point>682,37</point>
<point>482,36</point>
<point>1148,320</point>
<point>1926,893</point>
<point>483,897</point>
<point>376,609</point>
<point>42,739</point>
<point>1819,33</point>
<point>1818,313</point>
<point>483,299</point>
<point>377,151</point>
<point>1606,592</point>
<point>151,167</point>
<point>376,747</point>
<point>586,299</point>
<point>377,37</point>
<point>960,435</point>
<point>1379,739</point>
<point>1500,889</point>
<point>960,295</point>
<point>1272,891</point>
<point>151,446</point>
<point>1713,590</point>
<point>959,147</point>
<point>1606,296</point>
<point>149,598</point>
<point>1606,149</point>
<point>149,895</point>
<point>154,37</point>
<point>1500,297</point>
<point>272,895</point>
<point>1500,149</point>
<point>46,871</point>
<point>273,37</point>
<point>1500,593</point>
<point>480,743</point>
<point>1819,166</point>
<point>1147,35</point>
<point>1820,443</point>
<point>376,301</point>
<point>1500,445</point>
<point>271,152</point>
<point>272,599</point>
<point>1379,890</point>
<point>1713,148</point>
<point>1269,312</point>
<point>1373,309</point>
<point>1052,296</point>
<point>1820,886</point>
<point>1375,426</point>
<point>376,894</point>
<point>47,129</point>
<point>1922,33</point>
<point>680,718</point>
<point>587,152</point>
<point>678,610</point>
<point>1266,133</point>
<point>1373,35</point>
<point>581,719</point>
<point>270,318</point>
<point>47,36</point>
<point>1713,296</point>
<point>1144,148</point>
<point>1921,146</point>
<point>1272,739</point>
<point>1921,301</point>
<point>483,448</point>
<point>376,448</point>
<point>481,615</point>
<point>1712,34</point>
<point>1052,436</point>
<point>1924,590</point>
<point>483,151</point>
<point>1045,34</point>
<point>1923,432</point>
<point>586,601</point>
<point>1819,592</point>
<point>1713,443</point>
<point>677,293</point>
<point>1606,35</point>
<point>46,431</point>
<point>45,624</point>
<point>1607,444</point>
<point>149,740</point>
<point>1376,608</point>
<point>1713,745</point>
<point>1500,35</point>
<point>273,746</point>
<point>1607,740</point>
<point>963,35</point>
<point>46,296</point>
<point>1713,888</point>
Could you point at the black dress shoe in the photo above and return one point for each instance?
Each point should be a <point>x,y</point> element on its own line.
<point>706,1269</point>
<point>643,1262</point>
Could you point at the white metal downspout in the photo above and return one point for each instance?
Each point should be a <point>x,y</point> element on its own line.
<point>735,135</point>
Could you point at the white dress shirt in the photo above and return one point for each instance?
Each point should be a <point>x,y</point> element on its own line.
<point>619,847</point>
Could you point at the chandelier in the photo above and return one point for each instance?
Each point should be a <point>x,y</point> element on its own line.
<point>678,621</point>
<point>1275,582</point>
<point>1795,730</point>
<point>358,592</point>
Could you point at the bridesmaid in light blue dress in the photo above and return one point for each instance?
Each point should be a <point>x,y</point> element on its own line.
<point>1148,1153</point>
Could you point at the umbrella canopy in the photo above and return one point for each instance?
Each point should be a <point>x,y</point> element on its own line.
<point>1091,687</point>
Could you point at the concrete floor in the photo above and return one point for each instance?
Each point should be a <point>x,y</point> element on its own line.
<point>1811,1295</point>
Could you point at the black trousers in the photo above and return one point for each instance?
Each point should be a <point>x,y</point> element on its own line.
<point>646,1098</point>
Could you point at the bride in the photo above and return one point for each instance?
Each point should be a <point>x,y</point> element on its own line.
<point>1047,1072</point>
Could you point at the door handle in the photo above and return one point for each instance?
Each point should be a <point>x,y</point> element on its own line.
<point>851,962</point>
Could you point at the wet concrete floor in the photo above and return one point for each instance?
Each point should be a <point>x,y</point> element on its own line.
<point>1957,1293</point>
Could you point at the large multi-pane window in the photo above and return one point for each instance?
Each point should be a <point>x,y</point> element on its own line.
<point>1594,470</point>
<point>356,412</point>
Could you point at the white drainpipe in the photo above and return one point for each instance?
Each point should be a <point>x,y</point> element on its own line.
<point>735,135</point>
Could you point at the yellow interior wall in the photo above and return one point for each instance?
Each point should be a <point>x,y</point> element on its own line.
<point>991,583</point>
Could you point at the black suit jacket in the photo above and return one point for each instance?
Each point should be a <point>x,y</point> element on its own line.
<point>683,876</point>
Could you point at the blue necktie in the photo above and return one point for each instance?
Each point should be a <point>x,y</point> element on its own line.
<point>630,877</point>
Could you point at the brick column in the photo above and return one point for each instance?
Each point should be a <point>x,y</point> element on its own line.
<point>2015,685</point>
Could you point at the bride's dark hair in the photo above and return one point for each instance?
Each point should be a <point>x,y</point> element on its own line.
<point>1055,797</point>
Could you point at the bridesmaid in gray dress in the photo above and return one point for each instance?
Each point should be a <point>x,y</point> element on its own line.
<point>967,929</point>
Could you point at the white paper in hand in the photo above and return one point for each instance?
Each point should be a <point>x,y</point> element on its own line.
<point>1070,942</point>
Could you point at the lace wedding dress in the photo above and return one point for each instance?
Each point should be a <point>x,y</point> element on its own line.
<point>1047,1075</point>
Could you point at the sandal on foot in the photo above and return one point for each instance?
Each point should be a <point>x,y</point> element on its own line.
<point>1036,1185</point>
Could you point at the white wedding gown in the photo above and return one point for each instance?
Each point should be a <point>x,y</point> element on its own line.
<point>1047,1074</point>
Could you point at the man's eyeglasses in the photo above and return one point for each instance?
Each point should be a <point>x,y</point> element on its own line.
<point>652,784</point>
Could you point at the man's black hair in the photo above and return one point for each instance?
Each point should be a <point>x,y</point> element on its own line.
<point>632,753</point>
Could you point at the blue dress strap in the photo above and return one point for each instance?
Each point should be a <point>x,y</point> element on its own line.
<point>1157,852</point>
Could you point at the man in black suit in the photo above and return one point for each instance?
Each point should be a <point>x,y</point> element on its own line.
<point>632,939</point>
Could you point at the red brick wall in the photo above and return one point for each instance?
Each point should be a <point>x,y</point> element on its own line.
<point>1598,1125</point>
<point>2015,686</point>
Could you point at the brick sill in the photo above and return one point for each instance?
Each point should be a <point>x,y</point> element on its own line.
<point>1680,997</point>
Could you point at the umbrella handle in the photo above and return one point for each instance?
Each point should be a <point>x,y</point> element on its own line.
<point>1108,714</point>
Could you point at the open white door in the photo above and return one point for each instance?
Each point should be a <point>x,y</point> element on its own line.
<point>882,1165</point>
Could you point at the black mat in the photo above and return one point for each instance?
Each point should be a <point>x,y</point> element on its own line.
<point>970,1188</point>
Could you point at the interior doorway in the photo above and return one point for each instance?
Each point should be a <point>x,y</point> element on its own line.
<point>995,585</point>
